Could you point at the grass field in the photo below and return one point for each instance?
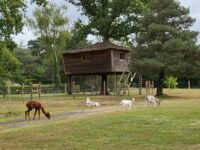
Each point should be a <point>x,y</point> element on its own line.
<point>175,125</point>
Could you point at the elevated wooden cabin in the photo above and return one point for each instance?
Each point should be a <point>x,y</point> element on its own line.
<point>99,59</point>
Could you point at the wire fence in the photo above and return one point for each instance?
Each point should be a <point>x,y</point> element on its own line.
<point>91,85</point>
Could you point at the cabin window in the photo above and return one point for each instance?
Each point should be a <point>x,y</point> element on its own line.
<point>122,56</point>
<point>85,58</point>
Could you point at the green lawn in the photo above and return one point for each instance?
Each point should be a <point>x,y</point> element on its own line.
<point>175,125</point>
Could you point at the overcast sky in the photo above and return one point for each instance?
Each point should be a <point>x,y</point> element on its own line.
<point>73,14</point>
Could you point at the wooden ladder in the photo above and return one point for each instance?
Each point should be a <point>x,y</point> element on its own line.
<point>124,81</point>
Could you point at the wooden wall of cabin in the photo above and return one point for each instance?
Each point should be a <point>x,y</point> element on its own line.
<point>88,62</point>
<point>120,61</point>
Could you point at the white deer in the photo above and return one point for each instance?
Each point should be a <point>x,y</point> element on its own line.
<point>150,99</point>
<point>92,103</point>
<point>127,103</point>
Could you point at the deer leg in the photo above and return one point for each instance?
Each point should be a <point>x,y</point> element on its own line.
<point>25,115</point>
<point>147,102</point>
<point>34,114</point>
<point>39,113</point>
<point>29,114</point>
<point>154,103</point>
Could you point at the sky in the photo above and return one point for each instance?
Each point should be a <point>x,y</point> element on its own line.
<point>73,14</point>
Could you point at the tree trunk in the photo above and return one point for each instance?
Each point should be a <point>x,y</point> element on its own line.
<point>104,85</point>
<point>56,71</point>
<point>56,64</point>
<point>160,84</point>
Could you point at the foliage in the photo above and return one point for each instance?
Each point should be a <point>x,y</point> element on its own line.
<point>37,47</point>
<point>9,65</point>
<point>31,69</point>
<point>171,82</point>
<point>50,25</point>
<point>111,18</point>
<point>11,19</point>
<point>40,2</point>
<point>78,38</point>
<point>166,45</point>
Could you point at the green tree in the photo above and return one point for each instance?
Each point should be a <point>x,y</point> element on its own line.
<point>171,82</point>
<point>11,23</point>
<point>166,46</point>
<point>9,65</point>
<point>50,25</point>
<point>37,47</point>
<point>32,69</point>
<point>78,38</point>
<point>111,18</point>
<point>11,19</point>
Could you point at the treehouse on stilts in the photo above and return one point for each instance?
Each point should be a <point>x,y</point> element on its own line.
<point>100,59</point>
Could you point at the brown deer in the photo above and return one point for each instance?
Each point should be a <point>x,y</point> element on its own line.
<point>33,104</point>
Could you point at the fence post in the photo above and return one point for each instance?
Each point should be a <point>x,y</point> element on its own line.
<point>152,85</point>
<point>39,89</point>
<point>189,84</point>
<point>140,85</point>
<point>65,87</point>
<point>31,90</point>
<point>8,89</point>
<point>147,86</point>
<point>104,86</point>
<point>23,92</point>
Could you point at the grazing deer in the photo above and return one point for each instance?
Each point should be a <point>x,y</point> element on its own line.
<point>127,103</point>
<point>150,99</point>
<point>33,104</point>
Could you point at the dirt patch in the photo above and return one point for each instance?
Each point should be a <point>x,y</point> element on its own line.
<point>20,123</point>
<point>55,117</point>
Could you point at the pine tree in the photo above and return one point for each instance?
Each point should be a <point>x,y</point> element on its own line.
<point>166,46</point>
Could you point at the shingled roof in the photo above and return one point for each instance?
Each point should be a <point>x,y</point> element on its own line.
<point>98,47</point>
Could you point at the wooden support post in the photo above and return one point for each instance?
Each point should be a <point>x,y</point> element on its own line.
<point>96,84</point>
<point>31,90</point>
<point>128,89</point>
<point>123,89</point>
<point>83,84</point>
<point>69,85</point>
<point>91,88</point>
<point>152,86</point>
<point>115,84</point>
<point>149,87</point>
<point>104,85</point>
<point>73,89</point>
